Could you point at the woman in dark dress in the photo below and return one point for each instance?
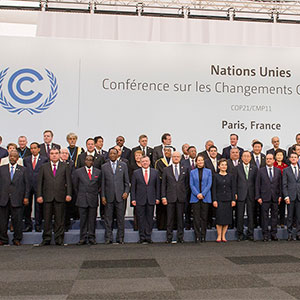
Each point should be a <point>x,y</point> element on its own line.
<point>224,199</point>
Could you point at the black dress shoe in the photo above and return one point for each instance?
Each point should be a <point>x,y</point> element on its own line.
<point>265,239</point>
<point>121,241</point>
<point>92,242</point>
<point>44,243</point>
<point>251,238</point>
<point>38,229</point>
<point>168,241</point>
<point>27,229</point>
<point>149,241</point>
<point>17,243</point>
<point>107,242</point>
<point>188,227</point>
<point>59,243</point>
<point>197,240</point>
<point>274,238</point>
<point>290,238</point>
<point>81,242</point>
<point>203,240</point>
<point>180,241</point>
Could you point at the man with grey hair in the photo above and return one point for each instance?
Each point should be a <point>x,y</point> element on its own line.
<point>14,192</point>
<point>23,150</point>
<point>275,142</point>
<point>73,150</point>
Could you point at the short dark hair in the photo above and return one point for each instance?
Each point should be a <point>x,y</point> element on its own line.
<point>257,143</point>
<point>237,137</point>
<point>142,136</point>
<point>191,147</point>
<point>36,143</point>
<point>54,149</point>
<point>222,160</point>
<point>90,156</point>
<point>164,136</point>
<point>89,139</point>
<point>212,147</point>
<point>0,138</point>
<point>96,138</point>
<point>293,153</point>
<point>113,149</point>
<point>246,151</point>
<point>50,131</point>
<point>199,155</point>
<point>270,154</point>
<point>279,151</point>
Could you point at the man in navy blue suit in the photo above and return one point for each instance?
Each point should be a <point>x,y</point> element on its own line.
<point>291,194</point>
<point>233,144</point>
<point>3,151</point>
<point>33,164</point>
<point>268,195</point>
<point>145,193</point>
<point>126,152</point>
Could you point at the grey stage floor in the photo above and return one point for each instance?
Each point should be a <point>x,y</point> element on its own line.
<point>245,270</point>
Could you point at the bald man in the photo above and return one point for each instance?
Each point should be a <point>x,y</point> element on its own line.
<point>174,192</point>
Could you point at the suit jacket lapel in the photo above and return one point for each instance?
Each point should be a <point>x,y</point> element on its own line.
<point>50,169</point>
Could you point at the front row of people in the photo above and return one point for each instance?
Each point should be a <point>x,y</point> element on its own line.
<point>240,188</point>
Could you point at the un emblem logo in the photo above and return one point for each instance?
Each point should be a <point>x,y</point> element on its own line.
<point>27,90</point>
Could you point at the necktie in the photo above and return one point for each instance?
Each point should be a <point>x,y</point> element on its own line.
<point>193,164</point>
<point>48,149</point>
<point>176,173</point>
<point>270,174</point>
<point>114,167</point>
<point>54,170</point>
<point>215,165</point>
<point>247,172</point>
<point>296,173</point>
<point>257,161</point>
<point>146,176</point>
<point>90,174</point>
<point>11,173</point>
<point>144,152</point>
<point>34,163</point>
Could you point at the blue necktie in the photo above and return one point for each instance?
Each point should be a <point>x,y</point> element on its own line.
<point>11,173</point>
<point>270,174</point>
<point>176,173</point>
<point>296,172</point>
<point>114,167</point>
<point>257,161</point>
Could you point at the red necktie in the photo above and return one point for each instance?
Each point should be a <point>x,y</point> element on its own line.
<point>34,163</point>
<point>54,170</point>
<point>193,165</point>
<point>90,174</point>
<point>146,176</point>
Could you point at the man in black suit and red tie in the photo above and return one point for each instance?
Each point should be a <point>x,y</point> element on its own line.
<point>126,152</point>
<point>33,165</point>
<point>14,192</point>
<point>87,184</point>
<point>145,193</point>
<point>54,188</point>
<point>143,146</point>
<point>268,194</point>
<point>233,144</point>
<point>48,144</point>
<point>174,193</point>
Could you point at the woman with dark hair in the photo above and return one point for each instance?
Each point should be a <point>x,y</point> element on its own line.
<point>279,163</point>
<point>200,184</point>
<point>224,187</point>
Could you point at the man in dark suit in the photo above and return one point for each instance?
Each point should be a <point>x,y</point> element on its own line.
<point>190,164</point>
<point>275,142</point>
<point>291,194</point>
<point>23,150</point>
<point>158,153</point>
<point>14,192</point>
<point>268,195</point>
<point>54,188</point>
<point>33,165</point>
<point>48,145</point>
<point>99,146</point>
<point>143,146</point>
<point>233,161</point>
<point>185,152</point>
<point>3,151</point>
<point>87,184</point>
<point>290,150</point>
<point>233,144</point>
<point>174,192</point>
<point>114,191</point>
<point>245,184</point>
<point>74,151</point>
<point>126,152</point>
<point>90,150</point>
<point>145,193</point>
<point>205,153</point>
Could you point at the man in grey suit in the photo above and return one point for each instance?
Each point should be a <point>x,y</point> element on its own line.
<point>54,187</point>
<point>291,194</point>
<point>87,184</point>
<point>114,192</point>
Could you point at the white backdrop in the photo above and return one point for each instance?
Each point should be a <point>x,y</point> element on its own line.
<point>85,105</point>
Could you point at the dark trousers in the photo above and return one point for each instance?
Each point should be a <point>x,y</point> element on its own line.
<point>38,211</point>
<point>175,210</point>
<point>56,209</point>
<point>281,209</point>
<point>88,217</point>
<point>293,209</point>
<point>211,215</point>
<point>257,214</point>
<point>145,215</point>
<point>28,210</point>
<point>71,211</point>
<point>108,219</point>
<point>16,219</point>
<point>200,218</point>
<point>240,210</point>
<point>161,216</point>
<point>265,208</point>
<point>101,210</point>
<point>188,214</point>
